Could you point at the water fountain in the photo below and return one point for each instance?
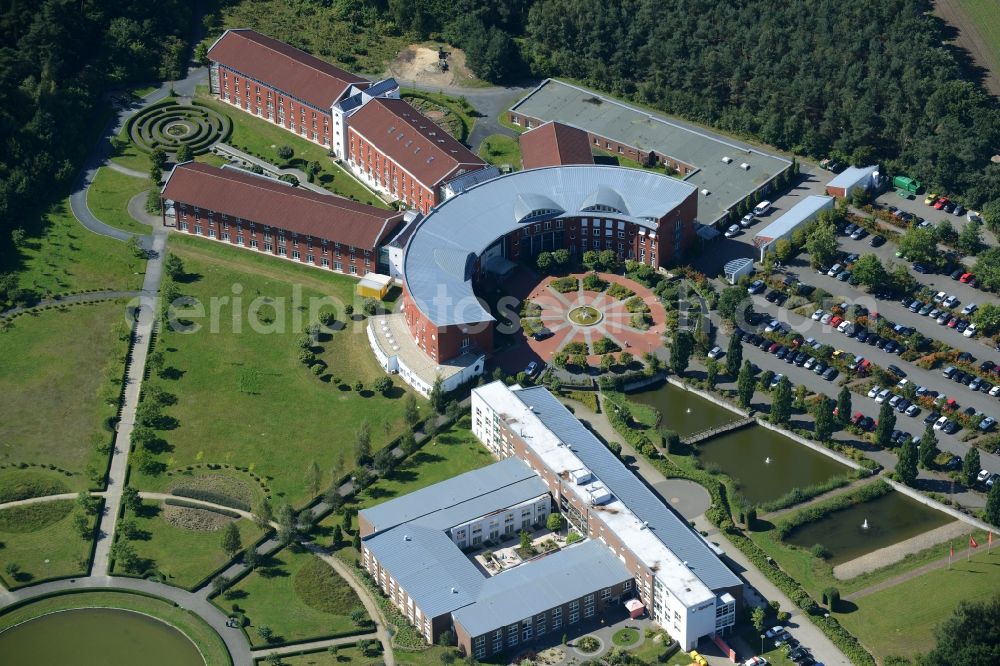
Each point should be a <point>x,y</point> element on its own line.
<point>767,460</point>
<point>687,411</point>
<point>864,525</point>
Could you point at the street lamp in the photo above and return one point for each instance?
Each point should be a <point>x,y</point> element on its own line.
<point>762,643</point>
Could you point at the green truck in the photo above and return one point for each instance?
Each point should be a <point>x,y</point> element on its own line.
<point>906,184</point>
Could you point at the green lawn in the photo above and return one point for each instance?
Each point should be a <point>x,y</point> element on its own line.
<point>500,150</point>
<point>263,138</point>
<point>129,155</point>
<point>203,636</point>
<point>243,396</point>
<point>184,556</point>
<point>42,540</point>
<point>62,255</point>
<point>54,382</point>
<point>900,620</point>
<point>109,195</point>
<point>297,595</point>
<point>983,17</point>
<point>346,655</point>
<point>452,452</point>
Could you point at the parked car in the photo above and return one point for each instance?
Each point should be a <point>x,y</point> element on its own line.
<point>531,369</point>
<point>859,233</point>
<point>877,241</point>
<point>966,278</point>
<point>777,629</point>
<point>819,368</point>
<point>715,352</point>
<point>987,423</point>
<point>747,220</point>
<point>913,410</point>
<point>969,309</point>
<point>970,331</point>
<point>776,379</point>
<point>816,316</point>
<point>836,268</point>
<point>896,370</point>
<point>830,374</point>
<point>941,202</point>
<point>772,326</point>
<point>930,199</point>
<point>959,209</point>
<point>951,301</point>
<point>756,287</point>
<point>733,231</point>
<point>920,268</point>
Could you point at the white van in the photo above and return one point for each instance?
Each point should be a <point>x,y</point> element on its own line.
<point>762,208</point>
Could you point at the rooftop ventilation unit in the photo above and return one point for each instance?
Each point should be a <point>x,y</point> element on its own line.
<point>745,166</point>
<point>406,537</point>
<point>581,476</point>
<point>727,159</point>
<point>705,193</point>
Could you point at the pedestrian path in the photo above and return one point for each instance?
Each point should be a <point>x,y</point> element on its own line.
<point>311,646</point>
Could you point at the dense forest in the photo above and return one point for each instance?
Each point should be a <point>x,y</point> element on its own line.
<point>863,80</point>
<point>57,58</point>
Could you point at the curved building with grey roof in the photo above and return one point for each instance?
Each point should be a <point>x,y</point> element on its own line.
<point>639,215</point>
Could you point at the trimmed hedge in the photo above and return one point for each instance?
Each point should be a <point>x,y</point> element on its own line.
<point>210,496</point>
<point>840,637</point>
<point>194,505</point>
<point>799,495</point>
<point>813,513</point>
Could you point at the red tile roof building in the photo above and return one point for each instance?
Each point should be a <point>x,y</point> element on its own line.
<point>396,149</point>
<point>269,216</point>
<point>272,80</point>
<point>555,144</point>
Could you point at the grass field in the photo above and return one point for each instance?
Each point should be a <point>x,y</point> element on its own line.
<point>983,13</point>
<point>500,150</point>
<point>243,396</point>
<point>109,195</point>
<point>900,620</point>
<point>297,595</point>
<point>64,256</point>
<point>129,155</point>
<point>184,556</point>
<point>52,377</point>
<point>42,540</point>
<point>208,642</point>
<point>353,39</point>
<point>263,138</point>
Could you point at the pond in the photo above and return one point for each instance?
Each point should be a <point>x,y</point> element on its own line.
<point>684,411</point>
<point>767,464</point>
<point>890,518</point>
<point>97,637</point>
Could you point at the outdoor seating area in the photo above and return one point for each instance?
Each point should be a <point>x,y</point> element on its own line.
<point>507,554</point>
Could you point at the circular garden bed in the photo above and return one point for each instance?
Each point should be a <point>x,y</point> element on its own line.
<point>585,315</point>
<point>170,124</point>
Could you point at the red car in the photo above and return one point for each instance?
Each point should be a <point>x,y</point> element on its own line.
<point>857,418</point>
<point>966,278</point>
<point>836,321</point>
<point>773,348</point>
<point>953,322</point>
<point>941,203</point>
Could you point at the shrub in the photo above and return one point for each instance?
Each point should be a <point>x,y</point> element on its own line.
<point>820,551</point>
<point>593,282</point>
<point>210,496</point>
<point>619,291</point>
<point>566,284</point>
<point>605,346</point>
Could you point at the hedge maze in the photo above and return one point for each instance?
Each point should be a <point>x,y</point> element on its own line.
<point>169,125</point>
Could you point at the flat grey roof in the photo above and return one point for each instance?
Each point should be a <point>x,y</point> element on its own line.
<point>607,117</point>
<point>851,176</point>
<point>442,250</point>
<point>793,217</point>
<point>666,525</point>
<point>453,492</point>
<point>539,585</point>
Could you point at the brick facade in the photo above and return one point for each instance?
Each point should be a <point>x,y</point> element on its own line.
<point>445,342</point>
<point>386,174</point>
<point>323,252</point>
<point>272,104</point>
<point>614,147</point>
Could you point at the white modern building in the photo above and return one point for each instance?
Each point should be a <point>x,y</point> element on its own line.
<point>798,215</point>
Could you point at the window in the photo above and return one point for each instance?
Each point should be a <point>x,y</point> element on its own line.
<point>224,236</point>
<point>253,243</point>
<point>627,585</point>
<point>197,229</point>
<point>354,269</point>
<point>338,266</point>
<point>211,232</point>
<point>282,251</point>
<point>239,240</point>
<point>606,593</point>
<point>574,617</point>
<point>311,258</point>
<point>268,247</point>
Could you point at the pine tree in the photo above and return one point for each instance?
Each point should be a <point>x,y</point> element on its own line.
<point>410,413</point>
<point>680,351</point>
<point>437,396</point>
<point>928,447</point>
<point>824,419</point>
<point>231,539</point>
<point>781,403</point>
<point>886,424</point>
<point>745,384</point>
<point>734,356</point>
<point>906,466</point>
<point>993,505</point>
<point>970,466</point>
<point>363,443</point>
<point>712,373</point>
<point>844,406</point>
<point>313,478</point>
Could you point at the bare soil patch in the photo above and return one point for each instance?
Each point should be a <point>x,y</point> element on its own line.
<point>419,63</point>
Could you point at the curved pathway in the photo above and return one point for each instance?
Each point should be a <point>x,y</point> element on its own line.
<point>234,638</point>
<point>114,166</point>
<point>71,299</point>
